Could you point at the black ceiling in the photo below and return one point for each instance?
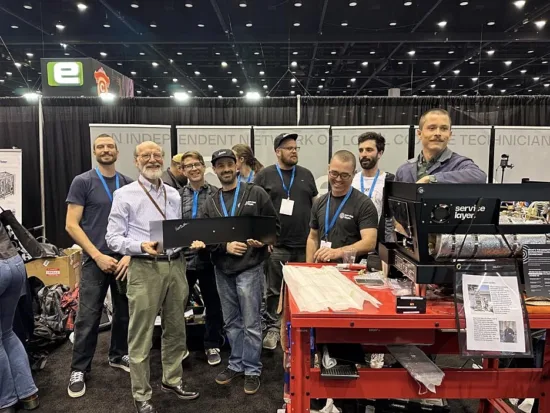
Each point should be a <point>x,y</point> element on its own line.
<point>339,49</point>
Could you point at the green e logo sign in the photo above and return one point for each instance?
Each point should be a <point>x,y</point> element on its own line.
<point>65,74</point>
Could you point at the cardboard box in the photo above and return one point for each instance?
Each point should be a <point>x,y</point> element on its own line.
<point>61,270</point>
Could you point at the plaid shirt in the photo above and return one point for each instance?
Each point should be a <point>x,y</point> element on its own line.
<point>194,261</point>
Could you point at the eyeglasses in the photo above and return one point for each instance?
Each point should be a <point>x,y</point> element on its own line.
<point>157,156</point>
<point>190,166</point>
<point>344,175</point>
<point>291,149</point>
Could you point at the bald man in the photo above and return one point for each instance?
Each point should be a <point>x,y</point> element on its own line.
<point>156,279</point>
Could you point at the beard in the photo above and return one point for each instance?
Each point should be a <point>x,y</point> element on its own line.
<point>227,177</point>
<point>100,160</point>
<point>368,163</point>
<point>151,172</point>
<point>289,160</point>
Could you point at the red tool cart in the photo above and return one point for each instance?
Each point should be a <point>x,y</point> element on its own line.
<point>385,326</point>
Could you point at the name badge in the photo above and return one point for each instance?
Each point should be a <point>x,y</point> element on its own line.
<point>287,206</point>
<point>326,244</point>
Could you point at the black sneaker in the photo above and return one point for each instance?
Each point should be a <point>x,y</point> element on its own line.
<point>227,375</point>
<point>77,384</point>
<point>251,384</point>
<point>123,363</point>
<point>213,356</point>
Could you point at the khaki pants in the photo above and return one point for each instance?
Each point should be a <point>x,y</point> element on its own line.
<point>152,286</point>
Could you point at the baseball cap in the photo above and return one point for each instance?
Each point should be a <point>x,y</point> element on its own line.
<point>283,136</point>
<point>223,153</point>
<point>177,158</point>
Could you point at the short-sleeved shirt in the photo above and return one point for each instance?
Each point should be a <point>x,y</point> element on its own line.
<point>377,192</point>
<point>87,190</point>
<point>357,214</point>
<point>295,227</point>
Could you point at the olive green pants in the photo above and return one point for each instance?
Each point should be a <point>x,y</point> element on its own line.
<point>154,286</point>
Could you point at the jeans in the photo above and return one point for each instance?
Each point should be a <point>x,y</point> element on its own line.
<point>93,289</point>
<point>279,256</point>
<point>211,299</point>
<point>16,380</point>
<point>241,297</point>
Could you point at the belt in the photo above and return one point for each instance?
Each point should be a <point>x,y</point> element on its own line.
<point>171,257</point>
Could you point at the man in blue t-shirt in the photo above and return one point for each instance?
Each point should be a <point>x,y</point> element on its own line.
<point>88,207</point>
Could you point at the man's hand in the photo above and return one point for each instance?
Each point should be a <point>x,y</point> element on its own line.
<point>270,248</point>
<point>106,264</point>
<point>197,245</point>
<point>327,254</point>
<point>425,180</point>
<point>122,268</point>
<point>150,247</point>
<point>236,248</point>
<point>254,244</point>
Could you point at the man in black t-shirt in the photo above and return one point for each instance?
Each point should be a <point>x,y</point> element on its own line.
<point>89,204</point>
<point>351,221</point>
<point>292,190</point>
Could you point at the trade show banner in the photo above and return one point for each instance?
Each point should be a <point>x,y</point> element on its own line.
<point>127,138</point>
<point>528,149</point>
<point>314,149</point>
<point>208,139</point>
<point>11,181</point>
<point>397,140</point>
<point>469,141</point>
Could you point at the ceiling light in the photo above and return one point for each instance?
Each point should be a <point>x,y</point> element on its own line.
<point>540,23</point>
<point>241,92</point>
<point>133,73</point>
<point>141,54</point>
<point>297,4</point>
<point>81,6</point>
<point>294,64</point>
<point>234,80</point>
<point>179,53</point>
<point>490,85</point>
<point>545,62</point>
<point>296,24</point>
<point>259,63</point>
<point>242,3</point>
<point>456,72</point>
<point>329,63</point>
<point>320,86</point>
<point>411,52</point>
<point>451,51</point>
<point>67,54</point>
<point>400,63</point>
<point>423,71</point>
<point>352,80</point>
<point>531,51</point>
<point>30,55</point>
<point>502,90</point>
<point>474,79</point>
<point>224,64</point>
<point>210,87</point>
<point>344,23</point>
<point>408,3</point>
<point>174,80</point>
<point>181,96</point>
<point>547,85</point>
<point>508,62</point>
<point>333,52</point>
<point>491,23</point>
<point>60,26</point>
<point>8,73</point>
<point>292,80</point>
<point>265,86</point>
<point>256,53</point>
<point>519,4</point>
<point>536,79</point>
<point>134,5</point>
<point>31,96</point>
<point>463,3</point>
<point>252,95</point>
<point>28,6</point>
<point>107,97</point>
<point>489,71</point>
<point>200,25</point>
<point>490,52</point>
<point>14,27</point>
<point>103,54</point>
<point>249,24</point>
<point>262,73</point>
<point>449,91</point>
<point>393,23</point>
<point>188,4</point>
<point>365,64</point>
<point>153,24</point>
<point>437,63</point>
<point>292,92</point>
<point>432,86</point>
<point>17,64</point>
<point>197,73</point>
<point>119,64</point>
<point>352,3</point>
<point>156,86</point>
<point>155,64</point>
<point>442,24</point>
<point>295,53</point>
<point>106,25</point>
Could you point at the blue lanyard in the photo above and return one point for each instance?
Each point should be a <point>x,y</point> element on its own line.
<point>373,183</point>
<point>328,226</point>
<point>117,183</point>
<point>195,204</point>
<point>249,179</point>
<point>287,190</point>
<point>234,207</point>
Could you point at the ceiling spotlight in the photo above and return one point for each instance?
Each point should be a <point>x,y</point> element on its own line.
<point>134,5</point>
<point>256,53</point>
<point>265,86</point>
<point>442,24</point>
<point>449,91</point>
<point>437,62</point>
<point>400,63</point>
<point>197,73</point>
<point>329,63</point>
<point>106,25</point>
<point>8,73</point>
<point>31,96</point>
<point>523,71</point>
<point>547,85</point>
<point>153,24</point>
<point>364,64</point>
<point>81,6</point>
<point>17,64</point>
<point>344,23</point>
<point>292,80</point>
<point>297,4</point>
<point>540,23</point>
<point>234,80</point>
<point>320,86</point>
<point>28,6</point>
<point>188,4</point>
<point>103,54</point>
<point>411,52</point>
<point>252,95</point>
<point>30,55</point>
<point>249,24</point>
<point>456,72</point>
<point>519,4</point>
<point>491,23</point>
<point>175,80</point>
<point>502,90</point>
<point>141,54</point>
<point>14,26</point>
<point>352,80</point>
<point>531,51</point>
<point>393,23</point>
<point>200,25</point>
<point>242,3</point>
<point>474,79</point>
<point>432,85</point>
<point>133,73</point>
<point>463,3</point>
<point>490,85</point>
<point>224,64</point>
<point>60,26</point>
<point>155,64</point>
<point>292,92</point>
<point>490,52</point>
<point>372,52</point>
<point>352,3</point>
<point>156,86</point>
<point>107,97</point>
<point>210,87</point>
<point>536,79</point>
<point>508,62</point>
<point>451,51</point>
<point>181,96</point>
<point>294,64</point>
<point>241,92</point>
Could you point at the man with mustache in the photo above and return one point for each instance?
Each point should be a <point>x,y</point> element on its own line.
<point>174,176</point>
<point>156,279</point>
<point>239,271</point>
<point>292,190</point>
<point>343,218</point>
<point>88,205</point>
<point>437,163</point>
<point>199,265</point>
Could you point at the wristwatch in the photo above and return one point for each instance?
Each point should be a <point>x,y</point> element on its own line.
<point>433,179</point>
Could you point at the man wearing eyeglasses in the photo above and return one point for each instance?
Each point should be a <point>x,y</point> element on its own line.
<point>199,265</point>
<point>342,219</point>
<point>292,190</point>
<point>156,280</point>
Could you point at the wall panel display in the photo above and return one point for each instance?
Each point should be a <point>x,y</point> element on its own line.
<point>469,141</point>
<point>127,138</point>
<point>314,149</point>
<point>397,140</point>
<point>208,139</point>
<point>529,152</point>
<point>11,184</point>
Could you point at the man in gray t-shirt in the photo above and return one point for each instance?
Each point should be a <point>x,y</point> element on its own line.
<point>88,207</point>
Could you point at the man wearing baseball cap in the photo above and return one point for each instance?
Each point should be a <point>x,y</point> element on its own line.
<point>174,176</point>
<point>292,190</point>
<point>239,271</point>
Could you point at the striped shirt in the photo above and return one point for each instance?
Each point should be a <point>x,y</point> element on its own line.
<point>132,211</point>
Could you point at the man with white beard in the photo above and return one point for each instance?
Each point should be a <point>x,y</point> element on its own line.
<point>156,279</point>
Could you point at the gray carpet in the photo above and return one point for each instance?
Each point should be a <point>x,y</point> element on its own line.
<point>108,389</point>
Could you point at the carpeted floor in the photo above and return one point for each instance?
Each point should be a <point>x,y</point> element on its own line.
<point>108,389</point>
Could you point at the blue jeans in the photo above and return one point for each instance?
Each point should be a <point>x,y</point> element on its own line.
<point>241,297</point>
<point>15,373</point>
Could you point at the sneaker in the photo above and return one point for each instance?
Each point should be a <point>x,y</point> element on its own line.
<point>270,340</point>
<point>213,356</point>
<point>227,375</point>
<point>123,363</point>
<point>77,384</point>
<point>251,384</point>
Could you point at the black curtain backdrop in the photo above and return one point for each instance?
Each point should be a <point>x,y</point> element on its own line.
<point>471,110</point>
<point>19,129</point>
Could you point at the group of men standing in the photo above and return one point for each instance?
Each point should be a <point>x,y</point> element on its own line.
<point>108,216</point>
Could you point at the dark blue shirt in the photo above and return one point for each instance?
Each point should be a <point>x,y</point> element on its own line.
<point>87,190</point>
